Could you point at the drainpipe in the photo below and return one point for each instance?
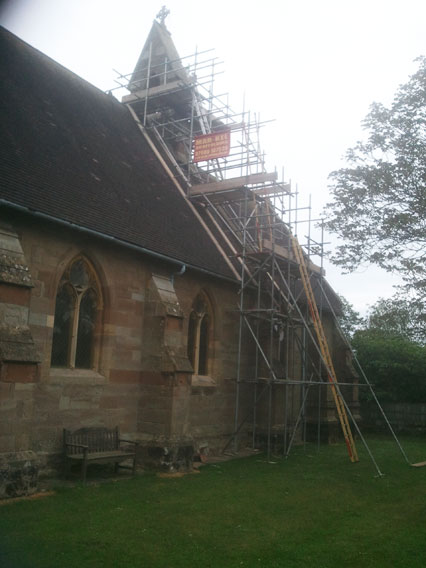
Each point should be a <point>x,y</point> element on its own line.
<point>180,273</point>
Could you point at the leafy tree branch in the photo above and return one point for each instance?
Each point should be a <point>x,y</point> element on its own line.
<point>378,205</point>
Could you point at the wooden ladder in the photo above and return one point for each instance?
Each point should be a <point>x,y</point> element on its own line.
<point>325,352</point>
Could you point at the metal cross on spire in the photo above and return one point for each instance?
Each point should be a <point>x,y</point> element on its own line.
<point>162,15</point>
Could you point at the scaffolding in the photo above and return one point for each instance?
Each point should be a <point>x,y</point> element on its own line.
<point>256,216</point>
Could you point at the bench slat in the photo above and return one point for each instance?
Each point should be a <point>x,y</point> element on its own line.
<point>106,455</point>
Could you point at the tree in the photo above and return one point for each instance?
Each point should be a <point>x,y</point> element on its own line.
<point>379,200</point>
<point>394,365</point>
<point>392,352</point>
<point>350,320</point>
<point>389,349</point>
<point>397,317</point>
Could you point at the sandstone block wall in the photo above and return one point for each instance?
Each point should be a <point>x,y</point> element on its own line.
<point>140,380</point>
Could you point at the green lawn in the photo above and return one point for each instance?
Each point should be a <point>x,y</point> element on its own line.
<point>313,509</point>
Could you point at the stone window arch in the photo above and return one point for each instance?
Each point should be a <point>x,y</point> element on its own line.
<point>200,329</point>
<point>77,317</point>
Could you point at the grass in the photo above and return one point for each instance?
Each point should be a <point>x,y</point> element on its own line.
<point>314,509</point>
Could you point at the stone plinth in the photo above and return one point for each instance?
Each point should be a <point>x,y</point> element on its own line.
<point>18,474</point>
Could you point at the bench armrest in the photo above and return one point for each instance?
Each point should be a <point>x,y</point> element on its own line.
<point>128,441</point>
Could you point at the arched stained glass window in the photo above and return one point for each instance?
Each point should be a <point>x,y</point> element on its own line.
<point>76,317</point>
<point>199,336</point>
<point>204,345</point>
<point>86,330</point>
<point>192,337</point>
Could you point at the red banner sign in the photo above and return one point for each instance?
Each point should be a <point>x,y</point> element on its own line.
<point>211,146</point>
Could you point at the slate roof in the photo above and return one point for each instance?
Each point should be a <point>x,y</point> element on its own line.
<point>74,153</point>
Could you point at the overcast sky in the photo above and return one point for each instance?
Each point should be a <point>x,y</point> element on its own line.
<point>313,66</point>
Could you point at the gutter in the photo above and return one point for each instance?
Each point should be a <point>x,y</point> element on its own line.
<point>114,240</point>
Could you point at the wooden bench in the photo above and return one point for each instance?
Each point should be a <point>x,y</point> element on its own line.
<point>98,445</point>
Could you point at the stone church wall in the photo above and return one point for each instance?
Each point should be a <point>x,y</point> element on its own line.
<point>136,384</point>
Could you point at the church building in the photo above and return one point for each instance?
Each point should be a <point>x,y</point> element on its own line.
<point>148,276</point>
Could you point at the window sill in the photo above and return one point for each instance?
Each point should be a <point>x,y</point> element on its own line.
<point>203,381</point>
<point>76,376</point>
